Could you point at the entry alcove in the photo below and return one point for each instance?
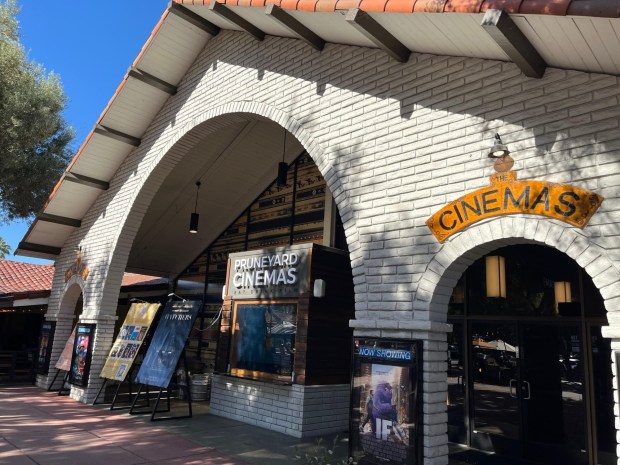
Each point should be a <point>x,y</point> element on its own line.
<point>284,351</point>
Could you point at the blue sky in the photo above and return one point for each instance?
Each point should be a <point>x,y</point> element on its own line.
<point>89,45</point>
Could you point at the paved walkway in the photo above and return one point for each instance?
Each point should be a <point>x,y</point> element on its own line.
<point>38,427</point>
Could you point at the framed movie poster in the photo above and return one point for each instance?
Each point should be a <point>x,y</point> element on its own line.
<point>82,353</point>
<point>168,343</point>
<point>46,341</point>
<point>385,402</point>
<point>129,340</point>
<point>64,361</point>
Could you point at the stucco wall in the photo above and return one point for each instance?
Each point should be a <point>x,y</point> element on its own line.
<point>395,142</point>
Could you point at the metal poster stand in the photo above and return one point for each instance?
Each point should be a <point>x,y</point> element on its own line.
<point>62,391</point>
<point>154,410</point>
<point>130,401</point>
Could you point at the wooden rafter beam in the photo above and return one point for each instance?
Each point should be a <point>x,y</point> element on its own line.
<point>377,34</point>
<point>116,135</point>
<point>62,220</point>
<point>513,42</point>
<point>38,248</point>
<point>151,80</point>
<point>226,13</point>
<point>87,181</point>
<point>196,20</point>
<point>289,22</point>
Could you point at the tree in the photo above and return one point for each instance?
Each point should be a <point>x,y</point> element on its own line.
<point>34,136</point>
<point>5,248</point>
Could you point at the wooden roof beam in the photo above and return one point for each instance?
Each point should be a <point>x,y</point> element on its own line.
<point>62,220</point>
<point>513,42</point>
<point>87,181</point>
<point>226,13</point>
<point>377,34</point>
<point>151,80</point>
<point>116,135</point>
<point>38,248</point>
<point>195,20</point>
<point>287,20</point>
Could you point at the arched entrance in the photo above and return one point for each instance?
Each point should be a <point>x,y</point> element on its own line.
<point>529,375</point>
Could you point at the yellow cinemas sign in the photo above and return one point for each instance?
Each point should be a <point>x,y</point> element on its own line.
<point>507,196</point>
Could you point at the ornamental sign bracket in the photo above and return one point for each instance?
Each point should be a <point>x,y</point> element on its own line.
<point>506,196</point>
<point>78,268</point>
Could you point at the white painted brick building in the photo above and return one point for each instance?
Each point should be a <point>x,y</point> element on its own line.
<point>395,142</point>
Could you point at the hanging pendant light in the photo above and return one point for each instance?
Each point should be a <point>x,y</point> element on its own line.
<point>193,221</point>
<point>282,166</point>
<point>562,294</point>
<point>496,276</point>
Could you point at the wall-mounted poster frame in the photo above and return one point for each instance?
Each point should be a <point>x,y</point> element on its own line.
<point>46,342</point>
<point>82,354</point>
<point>263,339</point>
<point>386,392</point>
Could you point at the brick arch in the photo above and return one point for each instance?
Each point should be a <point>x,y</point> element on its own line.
<point>175,148</point>
<point>74,287</point>
<point>459,253</point>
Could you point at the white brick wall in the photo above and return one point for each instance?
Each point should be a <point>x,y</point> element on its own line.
<point>395,142</point>
<point>300,411</point>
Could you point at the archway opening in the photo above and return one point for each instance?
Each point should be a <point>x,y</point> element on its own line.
<point>529,375</point>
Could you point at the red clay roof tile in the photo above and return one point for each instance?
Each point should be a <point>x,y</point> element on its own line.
<point>509,6</point>
<point>400,6</point>
<point>463,6</point>
<point>545,7</point>
<point>373,5</point>
<point>347,4</point>
<point>429,6</point>
<point>19,278</point>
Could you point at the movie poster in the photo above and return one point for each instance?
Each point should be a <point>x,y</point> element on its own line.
<point>64,361</point>
<point>46,341</point>
<point>385,402</point>
<point>81,354</point>
<point>129,340</point>
<point>168,343</point>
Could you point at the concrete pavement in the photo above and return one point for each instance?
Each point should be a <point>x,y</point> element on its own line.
<point>38,427</point>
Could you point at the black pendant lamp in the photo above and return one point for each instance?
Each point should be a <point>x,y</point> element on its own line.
<point>282,166</point>
<point>193,221</point>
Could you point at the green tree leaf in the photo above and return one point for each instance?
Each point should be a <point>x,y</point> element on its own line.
<point>34,136</point>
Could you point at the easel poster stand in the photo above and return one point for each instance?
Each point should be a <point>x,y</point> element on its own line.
<point>64,364</point>
<point>154,411</point>
<point>119,366</point>
<point>164,353</point>
<point>117,398</point>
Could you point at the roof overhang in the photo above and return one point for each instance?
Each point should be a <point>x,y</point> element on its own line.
<point>580,35</point>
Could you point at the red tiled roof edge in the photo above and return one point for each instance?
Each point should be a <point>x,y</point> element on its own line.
<point>598,8</point>
<point>19,277</point>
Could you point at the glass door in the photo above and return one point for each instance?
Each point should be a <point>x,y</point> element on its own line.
<point>552,394</point>
<point>494,375</point>
<point>527,385</point>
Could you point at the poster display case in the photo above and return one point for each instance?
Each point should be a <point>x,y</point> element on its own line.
<point>82,354</point>
<point>276,327</point>
<point>46,342</point>
<point>385,401</point>
<point>263,339</point>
